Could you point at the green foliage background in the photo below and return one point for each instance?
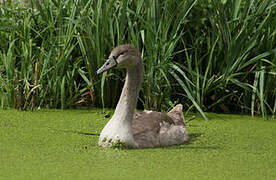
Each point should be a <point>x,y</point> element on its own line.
<point>208,55</point>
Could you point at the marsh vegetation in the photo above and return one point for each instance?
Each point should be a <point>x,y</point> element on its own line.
<point>216,56</point>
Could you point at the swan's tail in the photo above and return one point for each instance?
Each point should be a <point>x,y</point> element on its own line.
<point>177,115</point>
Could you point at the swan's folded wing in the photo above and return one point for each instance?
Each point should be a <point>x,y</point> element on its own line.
<point>146,127</point>
<point>149,121</point>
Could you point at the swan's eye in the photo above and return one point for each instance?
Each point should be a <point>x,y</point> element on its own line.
<point>122,53</point>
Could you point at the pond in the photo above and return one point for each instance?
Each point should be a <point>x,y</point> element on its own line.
<point>62,144</point>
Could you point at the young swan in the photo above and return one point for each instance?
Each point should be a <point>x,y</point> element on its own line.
<point>132,129</point>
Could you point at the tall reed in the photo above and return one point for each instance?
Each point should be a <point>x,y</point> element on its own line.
<point>231,56</point>
<point>208,55</point>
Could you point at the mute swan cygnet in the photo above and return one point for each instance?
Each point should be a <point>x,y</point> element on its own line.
<point>132,129</point>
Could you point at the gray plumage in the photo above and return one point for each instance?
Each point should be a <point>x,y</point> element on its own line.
<point>139,129</point>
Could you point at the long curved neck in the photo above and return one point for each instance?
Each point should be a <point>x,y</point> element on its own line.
<point>125,108</point>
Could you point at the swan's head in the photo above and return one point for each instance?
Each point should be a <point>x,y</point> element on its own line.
<point>123,56</point>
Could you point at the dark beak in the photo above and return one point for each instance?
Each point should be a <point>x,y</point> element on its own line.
<point>109,64</point>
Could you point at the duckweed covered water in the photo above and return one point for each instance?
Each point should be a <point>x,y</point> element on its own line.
<point>56,144</point>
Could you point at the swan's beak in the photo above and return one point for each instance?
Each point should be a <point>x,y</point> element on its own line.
<point>110,63</point>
